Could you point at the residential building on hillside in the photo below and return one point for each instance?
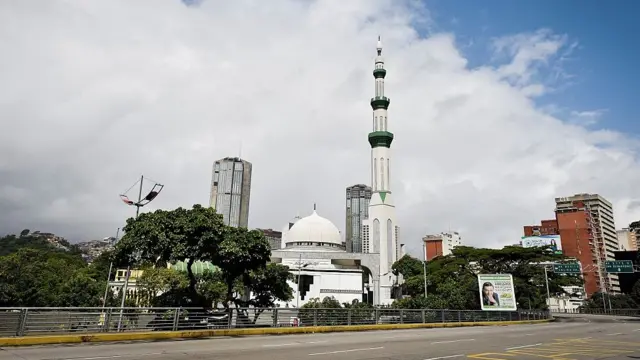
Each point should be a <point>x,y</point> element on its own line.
<point>546,227</point>
<point>231,190</point>
<point>358,198</point>
<point>587,231</point>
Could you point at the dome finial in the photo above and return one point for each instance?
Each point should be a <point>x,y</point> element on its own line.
<point>314,206</point>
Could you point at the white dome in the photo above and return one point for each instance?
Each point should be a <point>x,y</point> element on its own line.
<point>314,228</point>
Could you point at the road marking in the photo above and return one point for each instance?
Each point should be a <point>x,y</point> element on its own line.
<point>444,357</point>
<point>614,334</point>
<point>523,346</point>
<point>346,351</point>
<point>296,343</point>
<point>113,356</point>
<point>636,330</point>
<point>451,341</point>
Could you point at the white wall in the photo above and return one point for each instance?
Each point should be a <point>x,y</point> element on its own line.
<point>349,286</point>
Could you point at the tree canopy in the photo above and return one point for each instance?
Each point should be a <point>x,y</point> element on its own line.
<point>241,256</point>
<point>452,280</point>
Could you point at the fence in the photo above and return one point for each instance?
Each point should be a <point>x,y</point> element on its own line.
<point>49,321</point>
<point>612,312</point>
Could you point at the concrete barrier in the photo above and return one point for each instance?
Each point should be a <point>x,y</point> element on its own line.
<point>165,335</point>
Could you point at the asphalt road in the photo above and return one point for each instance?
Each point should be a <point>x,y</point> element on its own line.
<point>557,341</point>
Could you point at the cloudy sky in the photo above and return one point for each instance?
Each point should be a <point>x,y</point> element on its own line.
<point>493,117</point>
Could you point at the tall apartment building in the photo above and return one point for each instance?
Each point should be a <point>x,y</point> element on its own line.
<point>358,198</point>
<point>634,234</point>
<point>440,244</point>
<point>627,240</point>
<point>588,233</point>
<point>231,190</point>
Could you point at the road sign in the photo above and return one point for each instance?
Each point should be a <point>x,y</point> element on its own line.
<point>619,266</point>
<point>567,268</point>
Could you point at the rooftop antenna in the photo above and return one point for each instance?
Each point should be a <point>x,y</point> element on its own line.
<point>240,150</point>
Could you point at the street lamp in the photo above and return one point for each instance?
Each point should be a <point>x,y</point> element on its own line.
<point>155,190</point>
<point>424,267</point>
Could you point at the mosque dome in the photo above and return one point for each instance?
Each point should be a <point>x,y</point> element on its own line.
<point>314,230</point>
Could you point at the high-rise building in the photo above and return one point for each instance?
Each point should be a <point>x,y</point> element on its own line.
<point>358,198</point>
<point>380,230</point>
<point>440,244</point>
<point>634,234</point>
<point>231,190</point>
<point>588,233</point>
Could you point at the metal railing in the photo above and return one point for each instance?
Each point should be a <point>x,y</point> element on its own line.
<point>611,312</point>
<point>50,321</point>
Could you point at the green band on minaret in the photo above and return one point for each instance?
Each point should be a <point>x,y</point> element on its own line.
<point>379,73</point>
<point>380,139</point>
<point>381,102</point>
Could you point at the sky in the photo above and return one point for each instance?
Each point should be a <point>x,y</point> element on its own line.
<point>496,109</point>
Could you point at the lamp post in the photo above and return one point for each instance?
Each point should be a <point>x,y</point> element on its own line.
<point>155,190</point>
<point>424,267</point>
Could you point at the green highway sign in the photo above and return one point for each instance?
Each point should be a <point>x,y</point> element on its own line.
<point>567,268</point>
<point>619,266</point>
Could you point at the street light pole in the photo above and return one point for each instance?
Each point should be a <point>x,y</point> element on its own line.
<point>546,280</point>
<point>424,267</point>
<point>299,272</point>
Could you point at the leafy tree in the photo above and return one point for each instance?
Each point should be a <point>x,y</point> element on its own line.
<point>238,254</point>
<point>635,292</point>
<point>452,279</point>
<point>24,232</point>
<point>266,285</point>
<point>156,281</point>
<point>163,236</point>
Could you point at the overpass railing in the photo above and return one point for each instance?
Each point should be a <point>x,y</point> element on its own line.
<point>50,321</point>
<point>611,312</point>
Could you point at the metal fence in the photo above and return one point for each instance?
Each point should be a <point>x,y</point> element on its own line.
<point>49,321</point>
<point>612,312</point>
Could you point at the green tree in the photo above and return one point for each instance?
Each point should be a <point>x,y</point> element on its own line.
<point>240,253</point>
<point>267,285</point>
<point>163,236</point>
<point>635,292</point>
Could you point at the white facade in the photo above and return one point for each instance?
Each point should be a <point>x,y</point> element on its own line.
<point>321,270</point>
<point>449,241</point>
<point>380,230</point>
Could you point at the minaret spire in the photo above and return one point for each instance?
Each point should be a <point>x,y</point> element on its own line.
<point>379,46</point>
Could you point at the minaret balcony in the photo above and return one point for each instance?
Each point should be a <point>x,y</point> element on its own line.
<point>380,102</point>
<point>379,73</point>
<point>380,138</point>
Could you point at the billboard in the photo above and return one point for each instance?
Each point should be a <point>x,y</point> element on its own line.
<point>497,292</point>
<point>543,240</point>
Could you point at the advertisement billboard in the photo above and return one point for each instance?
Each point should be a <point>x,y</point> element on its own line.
<point>543,240</point>
<point>497,292</point>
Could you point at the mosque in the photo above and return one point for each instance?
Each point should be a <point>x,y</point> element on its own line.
<point>313,249</point>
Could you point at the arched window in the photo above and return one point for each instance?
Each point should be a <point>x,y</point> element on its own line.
<point>375,174</point>
<point>390,247</point>
<point>376,236</point>
<point>382,174</point>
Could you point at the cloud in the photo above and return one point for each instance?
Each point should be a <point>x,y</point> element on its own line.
<point>94,94</point>
<point>587,118</point>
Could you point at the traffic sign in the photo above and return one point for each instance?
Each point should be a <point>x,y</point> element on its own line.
<point>567,268</point>
<point>619,266</point>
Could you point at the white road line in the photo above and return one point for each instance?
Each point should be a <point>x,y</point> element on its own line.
<point>636,330</point>
<point>113,356</point>
<point>444,357</point>
<point>346,351</point>
<point>296,343</point>
<point>451,341</point>
<point>523,346</point>
<point>278,345</point>
<point>614,334</point>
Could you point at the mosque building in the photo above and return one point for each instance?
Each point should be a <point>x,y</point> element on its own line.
<point>313,248</point>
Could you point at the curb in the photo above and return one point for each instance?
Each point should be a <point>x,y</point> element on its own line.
<point>165,335</point>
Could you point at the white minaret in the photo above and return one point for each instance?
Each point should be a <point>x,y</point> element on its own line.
<point>380,231</point>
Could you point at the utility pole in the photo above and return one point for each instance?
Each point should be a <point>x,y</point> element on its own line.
<point>106,290</point>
